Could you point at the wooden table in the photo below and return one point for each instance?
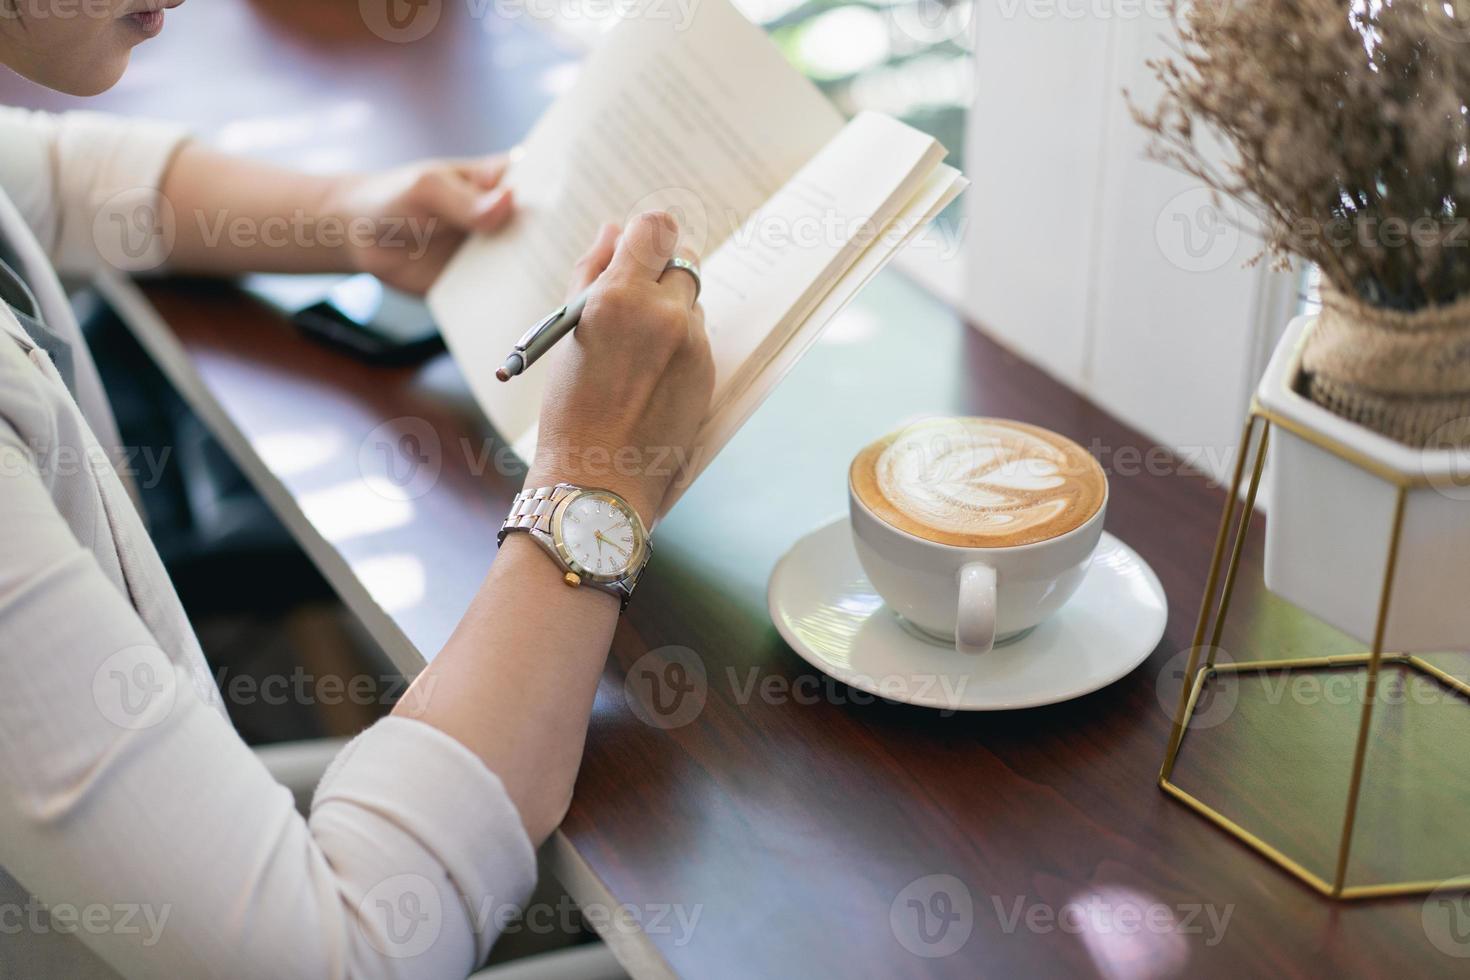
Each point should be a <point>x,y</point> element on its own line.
<point>793,821</point>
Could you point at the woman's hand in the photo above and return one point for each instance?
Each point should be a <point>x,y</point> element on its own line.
<point>234,215</point>
<point>517,680</point>
<point>629,389</point>
<point>420,214</point>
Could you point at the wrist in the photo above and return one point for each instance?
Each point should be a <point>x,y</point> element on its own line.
<point>337,210</point>
<point>521,559</point>
<point>635,489</point>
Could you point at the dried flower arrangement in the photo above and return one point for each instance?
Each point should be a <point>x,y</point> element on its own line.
<point>1345,131</point>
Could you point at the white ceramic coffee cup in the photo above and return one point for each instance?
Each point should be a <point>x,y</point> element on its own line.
<point>978,597</point>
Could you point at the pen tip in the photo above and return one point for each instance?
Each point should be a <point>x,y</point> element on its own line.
<point>514,365</point>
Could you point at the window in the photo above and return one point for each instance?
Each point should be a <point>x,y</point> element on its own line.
<point>907,58</point>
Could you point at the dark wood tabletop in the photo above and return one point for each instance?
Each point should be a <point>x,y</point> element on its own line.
<point>793,820</point>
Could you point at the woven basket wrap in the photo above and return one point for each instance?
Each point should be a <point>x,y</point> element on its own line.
<point>1405,375</point>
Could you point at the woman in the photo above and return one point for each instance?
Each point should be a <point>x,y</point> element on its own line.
<point>154,811</point>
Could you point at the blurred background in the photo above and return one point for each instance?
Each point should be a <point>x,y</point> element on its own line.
<point>1114,274</point>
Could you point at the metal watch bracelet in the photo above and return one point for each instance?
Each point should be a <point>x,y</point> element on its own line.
<point>531,510</point>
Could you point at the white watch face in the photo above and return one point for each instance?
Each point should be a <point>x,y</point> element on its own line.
<point>599,535</point>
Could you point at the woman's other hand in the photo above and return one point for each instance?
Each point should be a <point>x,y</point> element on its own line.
<point>629,389</point>
<point>415,217</point>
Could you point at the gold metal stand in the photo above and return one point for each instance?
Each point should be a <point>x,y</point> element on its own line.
<point>1197,674</point>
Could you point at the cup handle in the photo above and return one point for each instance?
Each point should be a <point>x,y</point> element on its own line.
<point>975,625</point>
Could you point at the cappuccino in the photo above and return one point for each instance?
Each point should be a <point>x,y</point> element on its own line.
<point>979,483</point>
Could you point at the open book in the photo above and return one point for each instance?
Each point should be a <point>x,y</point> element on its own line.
<point>792,210</point>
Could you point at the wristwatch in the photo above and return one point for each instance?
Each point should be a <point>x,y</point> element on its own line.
<point>594,536</point>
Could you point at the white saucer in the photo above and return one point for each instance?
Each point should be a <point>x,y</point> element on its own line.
<point>824,606</point>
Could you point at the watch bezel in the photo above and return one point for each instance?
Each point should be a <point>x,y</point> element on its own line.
<point>558,541</point>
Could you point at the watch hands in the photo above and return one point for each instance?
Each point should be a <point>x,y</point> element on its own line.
<point>600,538</point>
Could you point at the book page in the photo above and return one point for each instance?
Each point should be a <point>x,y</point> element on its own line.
<point>941,187</point>
<point>770,273</point>
<point>936,189</point>
<point>704,119</point>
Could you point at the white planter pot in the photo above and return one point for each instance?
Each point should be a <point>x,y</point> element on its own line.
<point>1329,520</point>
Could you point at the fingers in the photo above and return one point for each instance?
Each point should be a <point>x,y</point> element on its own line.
<point>681,282</point>
<point>696,326</point>
<point>699,337</point>
<point>695,360</point>
<point>455,197</point>
<point>486,172</point>
<point>639,301</point>
<point>646,247</point>
<point>595,260</point>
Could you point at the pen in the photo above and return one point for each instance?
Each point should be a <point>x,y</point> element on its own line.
<point>542,337</point>
<point>560,322</point>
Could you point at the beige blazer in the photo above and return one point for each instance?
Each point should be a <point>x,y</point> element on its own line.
<point>129,806</point>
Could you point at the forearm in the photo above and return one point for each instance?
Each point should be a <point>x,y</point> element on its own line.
<point>516,682</point>
<point>235,215</point>
<point>138,787</point>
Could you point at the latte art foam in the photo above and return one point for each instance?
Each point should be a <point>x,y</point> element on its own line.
<point>979,482</point>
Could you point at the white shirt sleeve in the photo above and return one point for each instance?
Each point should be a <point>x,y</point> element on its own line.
<point>88,186</point>
<point>119,786</point>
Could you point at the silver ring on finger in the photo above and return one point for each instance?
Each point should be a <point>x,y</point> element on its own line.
<point>684,265</point>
